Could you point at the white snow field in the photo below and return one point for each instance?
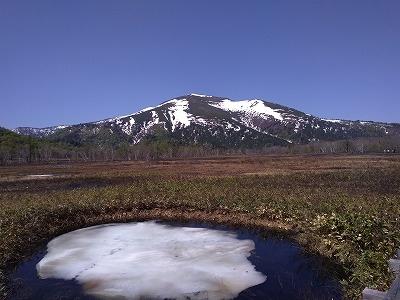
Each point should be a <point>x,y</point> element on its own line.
<point>250,107</point>
<point>148,260</point>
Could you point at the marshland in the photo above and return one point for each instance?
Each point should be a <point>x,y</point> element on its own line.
<point>343,210</point>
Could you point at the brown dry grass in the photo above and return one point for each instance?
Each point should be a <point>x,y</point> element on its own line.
<point>213,166</point>
<point>344,208</point>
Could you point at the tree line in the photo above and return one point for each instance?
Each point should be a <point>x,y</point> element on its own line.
<point>18,149</point>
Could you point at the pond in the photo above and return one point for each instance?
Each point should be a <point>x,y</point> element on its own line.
<point>158,260</point>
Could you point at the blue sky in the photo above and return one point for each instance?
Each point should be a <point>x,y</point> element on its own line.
<point>66,62</point>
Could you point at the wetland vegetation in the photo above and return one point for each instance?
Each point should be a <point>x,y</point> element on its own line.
<point>343,208</point>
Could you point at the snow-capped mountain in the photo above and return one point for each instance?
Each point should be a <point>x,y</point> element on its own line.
<point>217,121</point>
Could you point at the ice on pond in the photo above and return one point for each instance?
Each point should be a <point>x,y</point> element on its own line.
<point>148,260</point>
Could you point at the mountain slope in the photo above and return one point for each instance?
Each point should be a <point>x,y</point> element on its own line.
<point>216,121</point>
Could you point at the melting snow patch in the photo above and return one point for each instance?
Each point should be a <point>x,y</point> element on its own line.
<point>178,113</point>
<point>252,106</point>
<point>146,127</point>
<point>200,95</point>
<point>333,120</point>
<point>148,260</point>
<point>40,175</point>
<point>127,126</point>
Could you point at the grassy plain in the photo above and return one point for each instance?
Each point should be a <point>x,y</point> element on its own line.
<point>344,208</point>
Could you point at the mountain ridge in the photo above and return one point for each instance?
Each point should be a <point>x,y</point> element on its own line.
<point>217,121</point>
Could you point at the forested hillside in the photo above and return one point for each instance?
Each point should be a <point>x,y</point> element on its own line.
<point>20,149</point>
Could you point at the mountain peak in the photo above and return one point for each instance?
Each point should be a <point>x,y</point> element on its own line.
<point>200,95</point>
<point>217,121</point>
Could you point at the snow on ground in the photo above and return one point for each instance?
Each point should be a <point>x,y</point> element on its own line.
<point>126,127</point>
<point>144,110</point>
<point>248,106</point>
<point>178,114</point>
<point>39,175</point>
<point>333,120</point>
<point>147,126</point>
<point>200,95</point>
<point>231,126</point>
<point>148,260</point>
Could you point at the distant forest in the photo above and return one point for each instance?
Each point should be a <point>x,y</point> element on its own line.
<point>19,149</point>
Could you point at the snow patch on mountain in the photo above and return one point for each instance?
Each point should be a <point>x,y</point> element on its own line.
<point>333,120</point>
<point>147,127</point>
<point>127,127</point>
<point>178,113</point>
<point>232,126</point>
<point>61,127</point>
<point>200,95</point>
<point>249,107</point>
